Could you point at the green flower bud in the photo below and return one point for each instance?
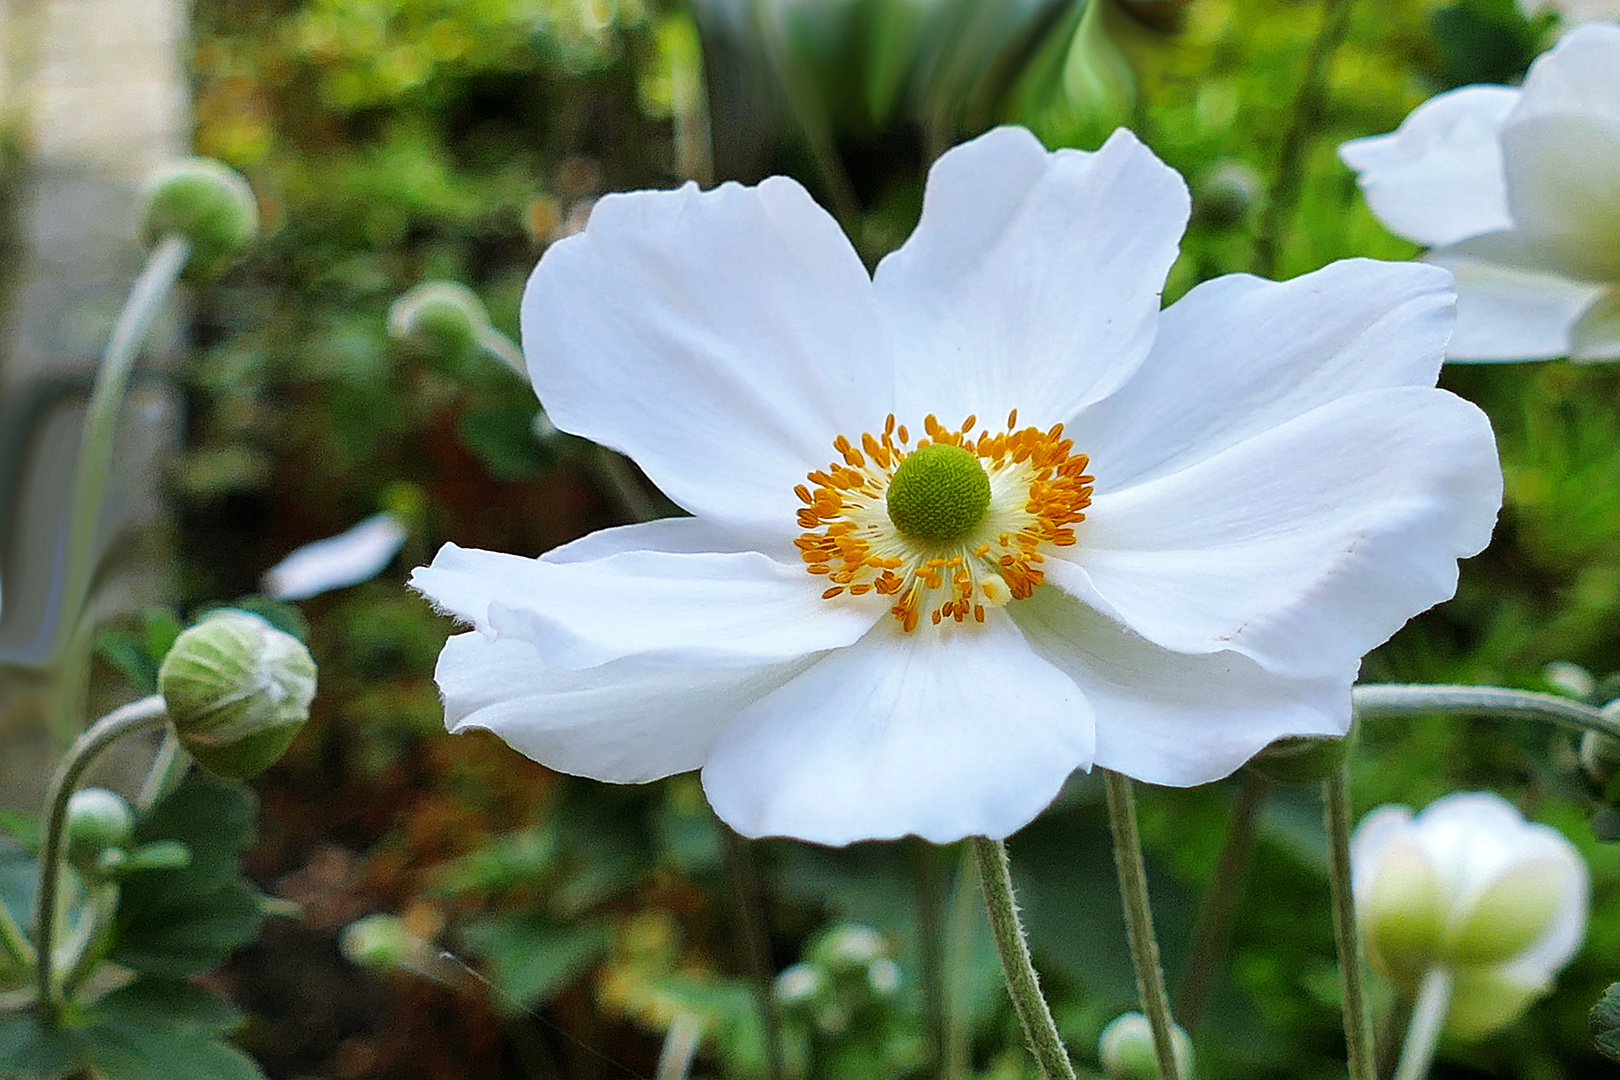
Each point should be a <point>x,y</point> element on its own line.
<point>1301,759</point>
<point>442,318</point>
<point>1227,195</point>
<point>238,691</point>
<point>98,821</point>
<point>207,203</point>
<point>1126,1049</point>
<point>378,943</point>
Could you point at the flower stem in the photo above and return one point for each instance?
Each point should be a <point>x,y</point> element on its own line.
<point>504,349</point>
<point>84,951</point>
<point>995,876</point>
<point>16,954</point>
<point>964,923</point>
<point>146,298</point>
<point>1133,891</point>
<point>930,883</point>
<point>1346,934</point>
<point>1396,699</point>
<point>136,716</point>
<point>1214,926</point>
<point>168,769</point>
<point>680,1046</point>
<point>756,945</point>
<point>1305,122</point>
<point>1428,1018</point>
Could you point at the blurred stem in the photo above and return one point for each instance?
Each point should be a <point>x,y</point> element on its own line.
<point>1346,934</point>
<point>16,954</point>
<point>995,876</point>
<point>680,1046</point>
<point>136,716</point>
<point>168,769</point>
<point>1395,699</point>
<point>1304,124</point>
<point>83,952</point>
<point>1428,1019</point>
<point>72,681</point>
<point>504,349</point>
<point>930,880</point>
<point>964,920</point>
<point>1133,892</point>
<point>1213,930</point>
<point>756,945</point>
<point>146,298</point>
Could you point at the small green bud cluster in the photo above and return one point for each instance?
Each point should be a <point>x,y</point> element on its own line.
<point>237,691</point>
<point>97,834</point>
<point>207,203</point>
<point>846,971</point>
<point>1125,1049</point>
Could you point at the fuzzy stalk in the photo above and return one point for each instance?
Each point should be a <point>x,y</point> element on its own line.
<point>1133,892</point>
<point>1428,1019</point>
<point>1346,933</point>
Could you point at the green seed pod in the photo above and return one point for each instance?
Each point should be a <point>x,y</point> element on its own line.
<point>1126,1049</point>
<point>207,203</point>
<point>442,318</point>
<point>1301,759</point>
<point>238,691</point>
<point>98,821</point>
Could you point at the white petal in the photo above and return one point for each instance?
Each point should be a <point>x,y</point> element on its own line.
<point>1382,827</point>
<point>1563,174</point>
<point>942,735</point>
<point>1576,76</point>
<point>1507,311</point>
<point>676,534</point>
<point>1239,355</point>
<point>1033,279</point>
<point>1438,177</point>
<point>717,610</point>
<point>1597,335</point>
<point>624,722</point>
<point>1303,547</point>
<point>1172,718</point>
<point>338,561</point>
<point>722,339</point>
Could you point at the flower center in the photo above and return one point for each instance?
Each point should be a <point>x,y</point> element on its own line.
<point>947,527</point>
<point>939,493</point>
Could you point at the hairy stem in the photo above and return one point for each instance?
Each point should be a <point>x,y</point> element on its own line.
<point>1133,892</point>
<point>1398,699</point>
<point>136,716</point>
<point>1346,934</point>
<point>995,876</point>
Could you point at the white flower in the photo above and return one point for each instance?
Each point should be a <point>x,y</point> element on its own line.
<point>336,562</point>
<point>1471,887</point>
<point>1518,193</point>
<point>1169,540</point>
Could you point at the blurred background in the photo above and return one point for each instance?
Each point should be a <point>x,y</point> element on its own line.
<point>396,141</point>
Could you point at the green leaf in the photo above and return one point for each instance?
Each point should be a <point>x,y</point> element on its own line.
<point>176,922</point>
<point>19,870</point>
<point>148,1003</point>
<point>29,1049</point>
<point>126,1054</point>
<point>503,440</point>
<point>530,958</point>
<point>1604,1020</point>
<point>24,828</point>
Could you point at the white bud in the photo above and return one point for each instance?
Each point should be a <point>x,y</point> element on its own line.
<point>1126,1049</point>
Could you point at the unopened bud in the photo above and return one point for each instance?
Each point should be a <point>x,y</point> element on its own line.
<point>1126,1049</point>
<point>1570,680</point>
<point>209,204</point>
<point>379,943</point>
<point>798,985</point>
<point>1227,194</point>
<point>848,948</point>
<point>443,318</point>
<point>98,821</point>
<point>238,690</point>
<point>884,977</point>
<point>1600,757</point>
<point>1301,759</point>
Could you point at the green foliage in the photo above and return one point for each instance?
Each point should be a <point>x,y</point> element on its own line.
<point>150,1029</point>
<point>532,957</point>
<point>1605,1022</point>
<point>176,922</point>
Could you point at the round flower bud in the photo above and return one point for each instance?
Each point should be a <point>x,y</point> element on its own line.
<point>1301,759</point>
<point>206,202</point>
<point>442,318</point>
<point>1600,758</point>
<point>848,948</point>
<point>1570,680</point>
<point>238,691</point>
<point>1227,194</point>
<point>1126,1049</point>
<point>883,976</point>
<point>799,985</point>
<point>378,943</point>
<point>98,821</point>
<point>1470,886</point>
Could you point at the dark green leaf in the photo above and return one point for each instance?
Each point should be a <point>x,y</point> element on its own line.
<point>148,1003</point>
<point>503,439</point>
<point>176,922</point>
<point>19,869</point>
<point>126,653</point>
<point>29,1049</point>
<point>530,957</point>
<point>1604,1020</point>
<point>126,1054</point>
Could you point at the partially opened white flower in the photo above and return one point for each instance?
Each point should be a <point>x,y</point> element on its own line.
<point>1517,191</point>
<point>1150,542</point>
<point>1469,886</point>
